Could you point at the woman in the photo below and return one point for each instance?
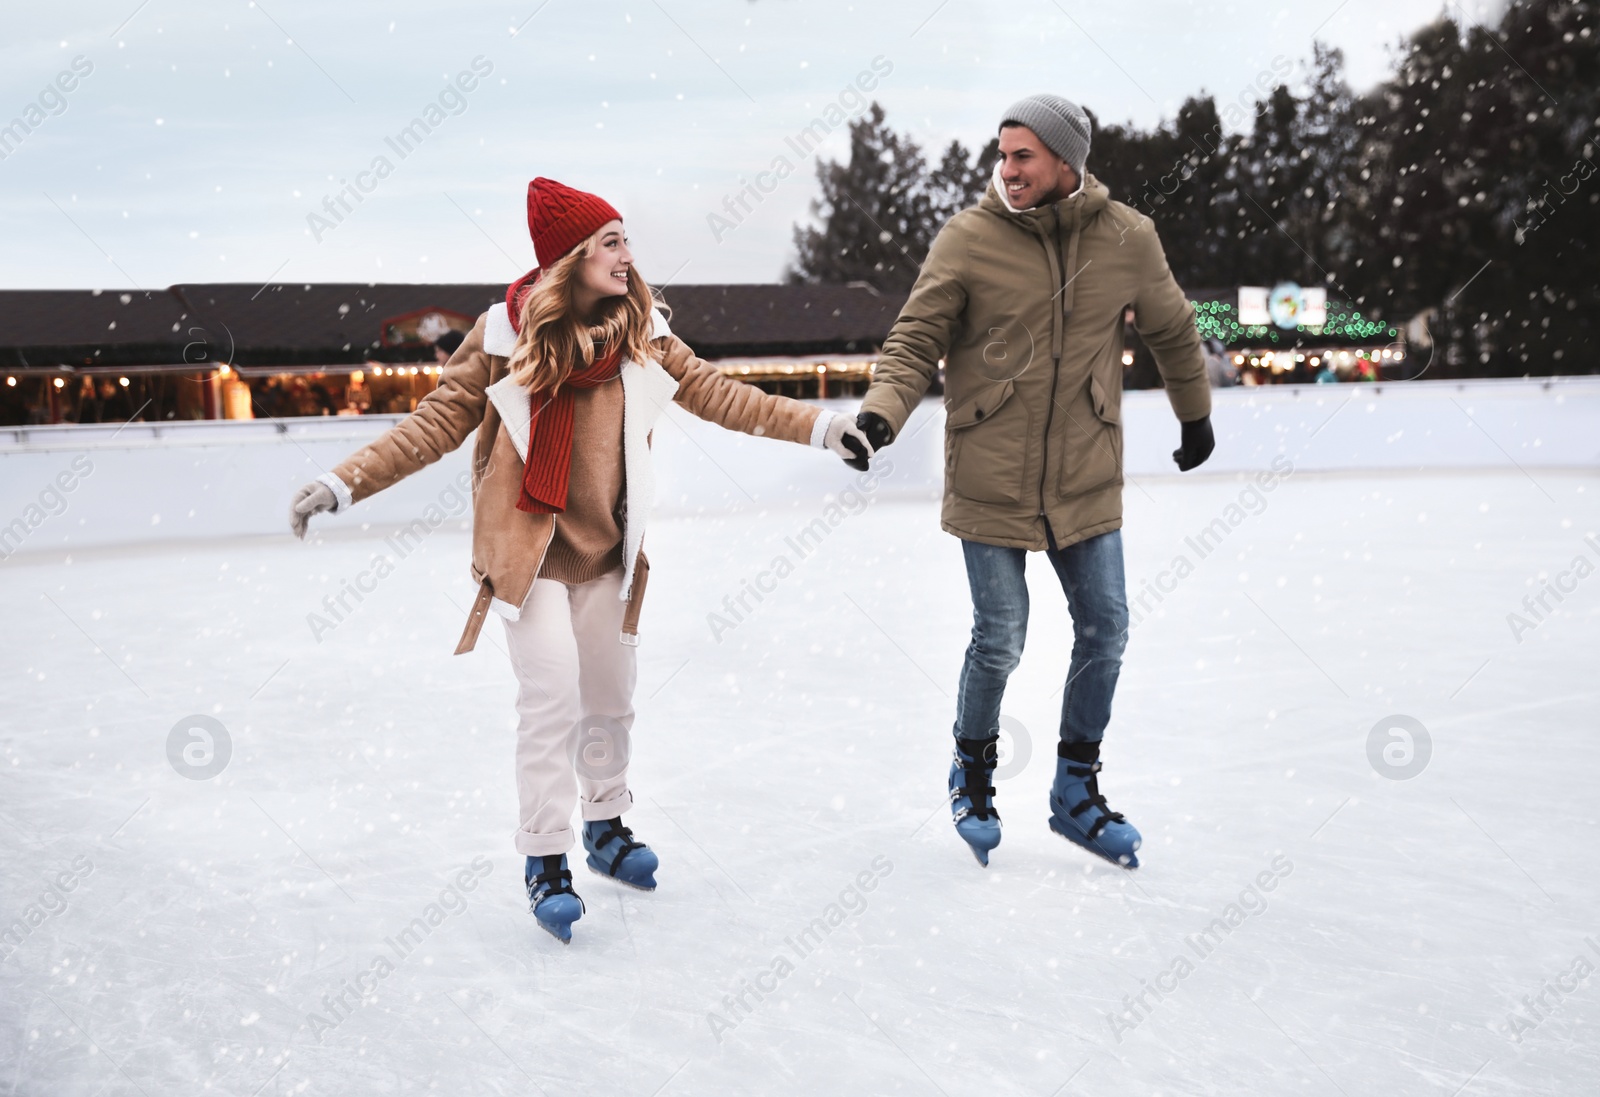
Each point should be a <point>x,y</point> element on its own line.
<point>566,379</point>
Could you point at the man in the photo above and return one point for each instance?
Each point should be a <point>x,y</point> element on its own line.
<point>1220,371</point>
<point>1022,298</point>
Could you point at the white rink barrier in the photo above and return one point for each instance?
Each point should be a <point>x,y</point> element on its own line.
<point>69,487</point>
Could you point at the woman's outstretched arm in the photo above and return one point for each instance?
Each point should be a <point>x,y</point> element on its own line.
<point>715,397</point>
<point>442,421</point>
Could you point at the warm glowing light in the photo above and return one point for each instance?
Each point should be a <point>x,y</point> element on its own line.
<point>60,383</point>
<point>123,381</point>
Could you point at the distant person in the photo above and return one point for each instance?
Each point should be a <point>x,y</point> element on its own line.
<point>562,384</point>
<point>446,345</point>
<point>1022,296</point>
<point>1220,370</point>
<point>265,398</point>
<point>1325,374</point>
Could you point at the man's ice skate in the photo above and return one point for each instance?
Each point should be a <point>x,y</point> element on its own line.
<point>1078,812</point>
<point>972,795</point>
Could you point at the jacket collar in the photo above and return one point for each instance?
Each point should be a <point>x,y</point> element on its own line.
<point>1089,199</point>
<point>647,390</point>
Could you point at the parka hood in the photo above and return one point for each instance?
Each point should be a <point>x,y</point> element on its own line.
<point>1090,198</point>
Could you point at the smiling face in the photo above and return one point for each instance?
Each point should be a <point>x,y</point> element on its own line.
<point>605,272</point>
<point>1031,173</point>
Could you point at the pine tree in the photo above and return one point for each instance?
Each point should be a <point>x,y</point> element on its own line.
<point>874,209</point>
<point>1463,189</point>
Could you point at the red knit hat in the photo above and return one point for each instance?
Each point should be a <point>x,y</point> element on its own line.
<point>560,218</point>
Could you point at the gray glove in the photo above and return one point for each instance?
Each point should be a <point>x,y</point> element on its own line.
<point>314,498</point>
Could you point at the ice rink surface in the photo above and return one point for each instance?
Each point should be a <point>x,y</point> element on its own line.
<point>1305,921</point>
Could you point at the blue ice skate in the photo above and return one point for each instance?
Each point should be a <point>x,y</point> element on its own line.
<point>550,895</point>
<point>614,852</point>
<point>972,795</point>
<point>1078,812</point>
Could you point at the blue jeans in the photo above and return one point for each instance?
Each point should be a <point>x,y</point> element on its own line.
<point>1092,577</point>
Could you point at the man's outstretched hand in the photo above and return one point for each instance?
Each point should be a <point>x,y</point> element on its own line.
<point>876,430</point>
<point>1198,442</point>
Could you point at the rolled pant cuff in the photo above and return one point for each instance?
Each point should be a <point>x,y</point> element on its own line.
<point>543,845</point>
<point>593,811</point>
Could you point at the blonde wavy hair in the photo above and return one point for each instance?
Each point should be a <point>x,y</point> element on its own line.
<point>553,340</point>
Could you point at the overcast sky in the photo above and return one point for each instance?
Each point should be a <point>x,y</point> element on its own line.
<point>206,134</point>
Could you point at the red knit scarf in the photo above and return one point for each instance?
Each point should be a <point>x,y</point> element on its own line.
<point>544,478</point>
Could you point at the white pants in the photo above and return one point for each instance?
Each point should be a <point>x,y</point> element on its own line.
<point>575,680</point>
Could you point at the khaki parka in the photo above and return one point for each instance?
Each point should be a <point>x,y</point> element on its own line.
<point>1025,308</point>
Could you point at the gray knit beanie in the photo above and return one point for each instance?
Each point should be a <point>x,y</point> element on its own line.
<point>1060,123</point>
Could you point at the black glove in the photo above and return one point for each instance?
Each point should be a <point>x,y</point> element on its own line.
<point>878,434</point>
<point>876,428</point>
<point>859,462</point>
<point>1198,442</point>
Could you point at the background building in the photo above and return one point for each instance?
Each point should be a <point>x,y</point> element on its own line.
<point>236,351</point>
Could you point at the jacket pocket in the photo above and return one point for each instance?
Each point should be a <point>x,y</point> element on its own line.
<point>1107,402</point>
<point>986,446</point>
<point>1093,439</point>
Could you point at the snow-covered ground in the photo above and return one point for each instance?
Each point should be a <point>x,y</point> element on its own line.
<point>819,928</point>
